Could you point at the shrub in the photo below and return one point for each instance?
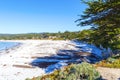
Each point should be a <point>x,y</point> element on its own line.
<point>112,62</point>
<point>84,71</point>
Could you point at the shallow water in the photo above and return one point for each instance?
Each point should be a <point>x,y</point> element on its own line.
<point>7,45</point>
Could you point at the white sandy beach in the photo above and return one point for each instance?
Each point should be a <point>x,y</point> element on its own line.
<point>12,59</point>
<point>15,62</point>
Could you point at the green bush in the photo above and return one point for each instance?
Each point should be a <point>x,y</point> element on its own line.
<point>84,71</point>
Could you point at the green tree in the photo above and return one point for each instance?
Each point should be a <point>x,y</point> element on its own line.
<point>104,17</point>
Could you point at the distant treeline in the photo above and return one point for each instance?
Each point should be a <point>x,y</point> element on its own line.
<point>85,35</point>
<point>82,35</point>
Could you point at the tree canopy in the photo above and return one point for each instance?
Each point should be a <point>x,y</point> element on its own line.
<point>104,17</point>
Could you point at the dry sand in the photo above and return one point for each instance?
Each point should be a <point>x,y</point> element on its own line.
<point>109,73</point>
<point>15,62</point>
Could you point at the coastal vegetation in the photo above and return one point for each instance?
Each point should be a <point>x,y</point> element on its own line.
<point>83,71</point>
<point>112,62</point>
<point>67,35</point>
<point>104,18</point>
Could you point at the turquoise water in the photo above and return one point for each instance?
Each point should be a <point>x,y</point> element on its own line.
<point>7,45</point>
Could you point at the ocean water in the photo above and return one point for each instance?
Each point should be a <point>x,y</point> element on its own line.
<point>7,45</point>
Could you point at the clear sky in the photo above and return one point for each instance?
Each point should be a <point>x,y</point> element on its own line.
<point>27,16</point>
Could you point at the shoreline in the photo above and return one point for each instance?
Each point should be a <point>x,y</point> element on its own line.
<point>16,45</point>
<point>15,63</point>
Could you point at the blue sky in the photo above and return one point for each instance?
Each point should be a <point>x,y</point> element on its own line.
<point>26,16</point>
